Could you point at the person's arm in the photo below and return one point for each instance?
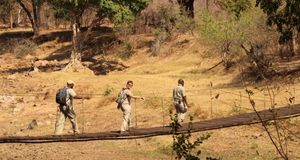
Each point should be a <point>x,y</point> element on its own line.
<point>81,97</point>
<point>184,97</point>
<point>185,101</point>
<point>75,96</point>
<point>135,97</point>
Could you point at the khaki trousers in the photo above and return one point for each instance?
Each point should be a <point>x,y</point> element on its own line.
<point>126,109</point>
<point>181,110</point>
<point>64,113</point>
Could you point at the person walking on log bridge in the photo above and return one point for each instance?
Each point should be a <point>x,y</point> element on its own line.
<point>64,97</point>
<point>180,101</point>
<point>124,101</point>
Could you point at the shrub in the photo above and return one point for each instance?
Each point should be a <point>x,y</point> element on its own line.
<point>227,34</point>
<point>170,21</point>
<point>24,47</point>
<point>108,91</point>
<point>127,50</point>
<point>182,145</point>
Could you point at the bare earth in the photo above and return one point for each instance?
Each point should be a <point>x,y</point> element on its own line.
<point>25,97</point>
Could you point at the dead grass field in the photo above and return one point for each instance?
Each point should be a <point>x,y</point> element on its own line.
<point>26,97</point>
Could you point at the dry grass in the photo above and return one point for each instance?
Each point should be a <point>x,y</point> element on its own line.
<point>154,78</point>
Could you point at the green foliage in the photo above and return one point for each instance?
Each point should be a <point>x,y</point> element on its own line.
<point>182,144</point>
<point>219,29</point>
<point>235,7</point>
<point>119,11</point>
<point>169,21</point>
<point>69,10</point>
<point>226,34</point>
<point>108,91</point>
<point>284,14</point>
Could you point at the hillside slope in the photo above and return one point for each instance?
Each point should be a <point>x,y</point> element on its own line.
<point>27,96</point>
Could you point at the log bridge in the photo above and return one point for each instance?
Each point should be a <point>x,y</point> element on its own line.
<point>218,123</point>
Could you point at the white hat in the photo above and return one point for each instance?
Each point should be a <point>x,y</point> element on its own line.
<point>70,82</point>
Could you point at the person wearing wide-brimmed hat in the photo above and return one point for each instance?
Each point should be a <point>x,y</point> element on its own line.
<point>67,110</point>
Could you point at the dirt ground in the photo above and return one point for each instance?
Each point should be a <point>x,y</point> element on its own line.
<point>25,97</point>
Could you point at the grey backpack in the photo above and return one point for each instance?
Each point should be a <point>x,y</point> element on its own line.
<point>121,96</point>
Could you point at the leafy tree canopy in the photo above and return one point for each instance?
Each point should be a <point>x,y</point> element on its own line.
<point>116,10</point>
<point>284,14</point>
<point>119,10</point>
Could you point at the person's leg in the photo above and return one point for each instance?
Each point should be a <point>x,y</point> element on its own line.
<point>59,125</point>
<point>126,117</point>
<point>72,116</point>
<point>181,112</point>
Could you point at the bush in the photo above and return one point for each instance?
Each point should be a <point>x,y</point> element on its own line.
<point>182,145</point>
<point>23,48</point>
<point>170,21</point>
<point>108,91</point>
<point>227,34</point>
<point>127,50</point>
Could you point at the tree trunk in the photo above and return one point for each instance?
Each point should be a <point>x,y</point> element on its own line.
<point>19,17</point>
<point>11,20</point>
<point>35,26</point>
<point>36,18</point>
<point>75,59</point>
<point>295,42</point>
<point>207,5</point>
<point>75,56</point>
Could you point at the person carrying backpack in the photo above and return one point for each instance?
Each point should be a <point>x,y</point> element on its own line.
<point>64,97</point>
<point>124,103</point>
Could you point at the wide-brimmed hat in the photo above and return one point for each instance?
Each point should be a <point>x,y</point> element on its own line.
<point>70,82</point>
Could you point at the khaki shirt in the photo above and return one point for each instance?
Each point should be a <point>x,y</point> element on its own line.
<point>178,93</point>
<point>70,95</point>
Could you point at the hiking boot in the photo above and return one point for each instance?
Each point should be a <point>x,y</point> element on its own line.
<point>76,132</point>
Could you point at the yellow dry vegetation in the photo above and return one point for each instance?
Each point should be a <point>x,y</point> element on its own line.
<point>154,78</point>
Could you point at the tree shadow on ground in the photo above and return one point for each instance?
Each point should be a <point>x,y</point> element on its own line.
<point>60,36</point>
<point>103,67</point>
<point>27,69</point>
<point>60,54</point>
<point>94,45</point>
<point>8,40</point>
<point>282,75</point>
<point>96,42</point>
<point>19,34</point>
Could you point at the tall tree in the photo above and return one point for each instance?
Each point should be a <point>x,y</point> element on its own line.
<point>71,10</point>
<point>117,11</point>
<point>285,15</point>
<point>32,9</point>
